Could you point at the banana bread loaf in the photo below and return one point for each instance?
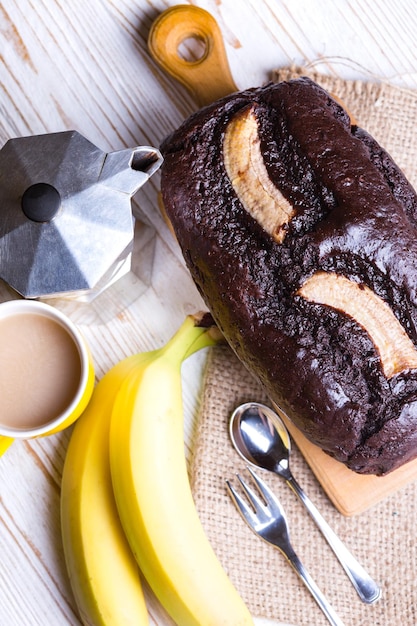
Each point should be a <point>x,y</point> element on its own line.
<point>300,233</point>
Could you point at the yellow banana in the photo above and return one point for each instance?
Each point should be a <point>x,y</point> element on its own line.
<point>153,495</point>
<point>103,572</point>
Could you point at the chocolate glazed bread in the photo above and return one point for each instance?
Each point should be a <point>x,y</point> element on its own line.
<point>300,233</point>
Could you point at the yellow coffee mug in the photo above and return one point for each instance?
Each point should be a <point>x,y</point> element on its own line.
<point>46,371</point>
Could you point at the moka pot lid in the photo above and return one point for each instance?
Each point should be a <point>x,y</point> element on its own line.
<point>65,211</point>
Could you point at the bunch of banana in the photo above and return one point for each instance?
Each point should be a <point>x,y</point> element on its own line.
<point>126,500</point>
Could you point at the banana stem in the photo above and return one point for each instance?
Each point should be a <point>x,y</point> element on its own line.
<point>210,337</point>
<point>190,337</point>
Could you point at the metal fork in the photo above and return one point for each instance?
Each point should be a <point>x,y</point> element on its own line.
<point>267,519</point>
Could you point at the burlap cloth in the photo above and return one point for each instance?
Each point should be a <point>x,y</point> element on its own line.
<point>384,537</point>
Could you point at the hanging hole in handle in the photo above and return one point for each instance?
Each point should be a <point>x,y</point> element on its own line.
<point>192,49</point>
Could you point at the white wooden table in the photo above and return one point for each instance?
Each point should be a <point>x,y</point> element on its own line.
<point>84,65</point>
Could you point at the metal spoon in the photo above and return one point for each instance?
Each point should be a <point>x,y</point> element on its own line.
<point>261,438</point>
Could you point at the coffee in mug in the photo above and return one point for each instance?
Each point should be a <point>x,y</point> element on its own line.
<point>46,372</point>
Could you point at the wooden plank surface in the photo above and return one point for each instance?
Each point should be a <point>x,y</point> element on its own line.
<point>85,66</point>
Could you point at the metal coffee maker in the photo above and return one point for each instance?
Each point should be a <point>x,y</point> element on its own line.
<point>66,223</point>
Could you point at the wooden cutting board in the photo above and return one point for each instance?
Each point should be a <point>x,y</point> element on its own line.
<point>207,77</point>
<point>350,493</point>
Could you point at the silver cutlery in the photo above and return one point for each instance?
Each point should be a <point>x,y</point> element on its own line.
<point>261,438</point>
<point>267,519</point>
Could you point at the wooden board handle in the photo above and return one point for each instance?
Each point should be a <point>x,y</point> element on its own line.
<point>208,78</point>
